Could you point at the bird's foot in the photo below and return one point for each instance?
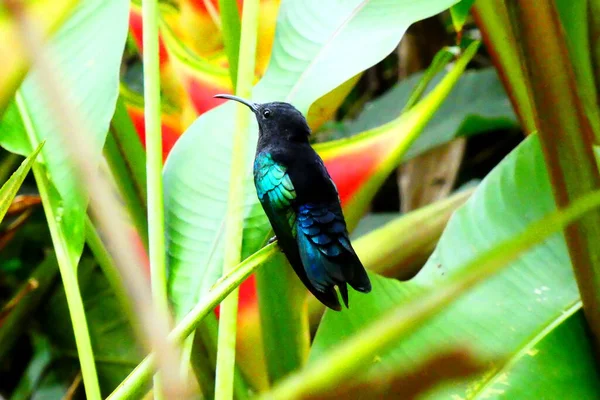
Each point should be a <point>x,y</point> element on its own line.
<point>274,238</point>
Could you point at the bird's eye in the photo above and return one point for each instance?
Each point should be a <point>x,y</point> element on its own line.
<point>266,113</point>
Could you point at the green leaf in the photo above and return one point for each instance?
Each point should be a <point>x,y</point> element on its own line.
<point>87,51</point>
<point>43,377</point>
<point>477,104</point>
<point>459,13</point>
<point>11,187</point>
<point>507,315</point>
<point>393,247</point>
<point>560,365</point>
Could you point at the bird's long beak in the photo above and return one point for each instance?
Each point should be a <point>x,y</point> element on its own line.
<point>251,105</point>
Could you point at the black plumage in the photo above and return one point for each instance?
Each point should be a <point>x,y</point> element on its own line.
<point>302,204</point>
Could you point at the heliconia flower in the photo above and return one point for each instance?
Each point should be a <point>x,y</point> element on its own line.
<point>200,79</point>
<point>199,22</point>
<point>351,165</point>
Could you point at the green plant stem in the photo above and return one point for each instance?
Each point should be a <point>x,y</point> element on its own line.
<point>134,385</point>
<point>106,263</point>
<point>67,265</point>
<point>234,222</point>
<point>441,59</point>
<point>230,21</point>
<point>349,357</point>
<point>68,271</point>
<point>152,118</point>
<point>491,17</point>
<point>594,23</point>
<point>566,136</point>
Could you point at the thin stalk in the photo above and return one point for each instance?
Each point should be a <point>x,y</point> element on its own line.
<point>234,223</point>
<point>134,385</point>
<point>350,356</point>
<point>441,59</point>
<point>67,266</point>
<point>152,118</point>
<point>106,263</point>
<point>492,20</point>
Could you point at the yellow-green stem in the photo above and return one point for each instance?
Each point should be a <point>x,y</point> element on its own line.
<point>106,263</point>
<point>234,222</point>
<point>152,120</point>
<point>491,17</point>
<point>67,266</point>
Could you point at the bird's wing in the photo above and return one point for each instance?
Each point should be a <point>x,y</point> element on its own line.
<point>325,249</point>
<point>277,194</point>
<point>273,185</point>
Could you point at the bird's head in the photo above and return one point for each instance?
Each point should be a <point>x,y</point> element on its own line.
<point>276,119</point>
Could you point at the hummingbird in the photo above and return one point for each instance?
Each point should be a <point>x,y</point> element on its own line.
<point>302,204</point>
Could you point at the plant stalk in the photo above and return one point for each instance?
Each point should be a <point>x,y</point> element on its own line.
<point>234,222</point>
<point>566,136</point>
<point>67,266</point>
<point>152,118</point>
<point>491,17</point>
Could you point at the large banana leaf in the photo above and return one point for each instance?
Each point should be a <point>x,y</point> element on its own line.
<point>317,47</point>
<point>517,314</point>
<point>87,53</point>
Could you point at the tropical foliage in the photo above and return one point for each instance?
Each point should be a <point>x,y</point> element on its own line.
<point>461,136</point>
